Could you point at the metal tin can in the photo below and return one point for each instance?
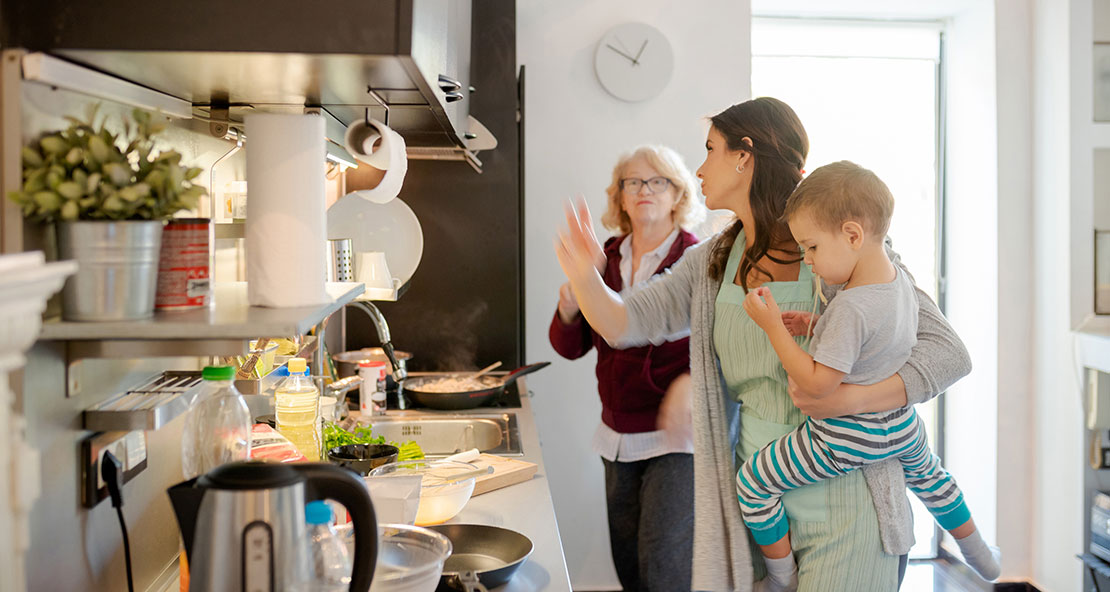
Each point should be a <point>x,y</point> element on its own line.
<point>184,279</point>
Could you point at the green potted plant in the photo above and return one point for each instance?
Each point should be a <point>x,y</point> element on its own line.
<point>108,195</point>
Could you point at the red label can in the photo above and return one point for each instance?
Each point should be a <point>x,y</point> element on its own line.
<point>183,270</point>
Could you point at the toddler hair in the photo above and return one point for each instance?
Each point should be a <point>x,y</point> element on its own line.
<point>842,191</point>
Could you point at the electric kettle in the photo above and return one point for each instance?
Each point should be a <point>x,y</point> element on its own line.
<point>243,524</point>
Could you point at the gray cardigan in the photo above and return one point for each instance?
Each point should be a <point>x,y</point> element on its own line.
<point>684,297</point>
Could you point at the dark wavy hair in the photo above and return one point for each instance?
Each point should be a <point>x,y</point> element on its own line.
<point>779,146</point>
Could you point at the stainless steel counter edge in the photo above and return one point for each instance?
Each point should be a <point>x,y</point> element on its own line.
<point>526,508</point>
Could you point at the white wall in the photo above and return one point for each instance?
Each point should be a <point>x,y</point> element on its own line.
<point>971,196</point>
<point>1014,83</point>
<point>1061,58</point>
<point>574,132</point>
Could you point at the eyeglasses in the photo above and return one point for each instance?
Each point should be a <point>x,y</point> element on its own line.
<point>655,185</point>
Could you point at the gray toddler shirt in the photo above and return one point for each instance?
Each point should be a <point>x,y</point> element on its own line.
<point>868,331</point>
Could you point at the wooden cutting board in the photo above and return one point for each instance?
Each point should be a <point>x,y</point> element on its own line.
<point>506,471</point>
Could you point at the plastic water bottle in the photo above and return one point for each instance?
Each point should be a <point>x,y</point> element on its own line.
<point>330,560</point>
<point>217,426</point>
<point>297,408</point>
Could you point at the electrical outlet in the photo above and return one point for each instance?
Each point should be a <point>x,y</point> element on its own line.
<point>128,447</point>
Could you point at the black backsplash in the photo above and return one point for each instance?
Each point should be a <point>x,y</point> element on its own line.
<point>464,307</point>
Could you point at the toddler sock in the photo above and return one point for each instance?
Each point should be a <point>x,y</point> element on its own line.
<point>782,575</point>
<point>981,557</point>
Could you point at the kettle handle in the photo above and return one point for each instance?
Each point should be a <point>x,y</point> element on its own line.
<point>327,481</point>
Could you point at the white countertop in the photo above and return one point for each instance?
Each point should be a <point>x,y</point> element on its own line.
<point>526,508</point>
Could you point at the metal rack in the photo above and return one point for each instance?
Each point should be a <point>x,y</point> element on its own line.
<point>148,407</point>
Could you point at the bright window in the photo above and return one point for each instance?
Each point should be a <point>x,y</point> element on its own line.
<point>868,92</point>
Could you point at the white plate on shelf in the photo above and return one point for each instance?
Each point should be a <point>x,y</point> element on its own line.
<point>391,228</point>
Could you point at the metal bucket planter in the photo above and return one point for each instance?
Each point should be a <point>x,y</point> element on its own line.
<point>117,272</point>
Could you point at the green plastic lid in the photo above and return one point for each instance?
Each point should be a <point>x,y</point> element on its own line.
<point>218,372</point>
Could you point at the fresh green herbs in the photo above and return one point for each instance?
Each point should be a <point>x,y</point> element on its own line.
<point>337,436</point>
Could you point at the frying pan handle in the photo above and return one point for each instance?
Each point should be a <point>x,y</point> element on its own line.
<point>530,368</point>
<point>468,581</point>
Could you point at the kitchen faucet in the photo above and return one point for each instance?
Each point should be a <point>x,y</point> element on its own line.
<point>399,373</point>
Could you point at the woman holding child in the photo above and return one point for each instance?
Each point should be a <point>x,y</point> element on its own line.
<point>848,533</point>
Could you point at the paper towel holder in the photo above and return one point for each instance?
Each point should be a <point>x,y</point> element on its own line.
<point>374,95</point>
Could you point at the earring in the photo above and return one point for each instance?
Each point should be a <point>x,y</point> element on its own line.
<point>740,169</point>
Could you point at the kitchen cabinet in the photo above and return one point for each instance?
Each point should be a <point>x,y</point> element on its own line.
<point>270,54</point>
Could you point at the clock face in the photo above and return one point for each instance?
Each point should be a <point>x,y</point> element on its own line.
<point>634,61</point>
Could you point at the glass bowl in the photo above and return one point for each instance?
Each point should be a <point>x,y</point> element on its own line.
<point>410,558</point>
<point>440,498</point>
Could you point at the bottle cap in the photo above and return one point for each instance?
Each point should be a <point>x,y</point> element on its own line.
<point>296,365</point>
<point>317,512</point>
<point>218,373</point>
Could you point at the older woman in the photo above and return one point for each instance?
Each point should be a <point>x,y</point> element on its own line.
<point>644,437</point>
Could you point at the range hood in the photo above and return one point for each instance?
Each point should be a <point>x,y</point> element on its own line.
<point>407,60</point>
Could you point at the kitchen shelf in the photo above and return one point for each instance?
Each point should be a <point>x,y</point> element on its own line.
<point>221,329</point>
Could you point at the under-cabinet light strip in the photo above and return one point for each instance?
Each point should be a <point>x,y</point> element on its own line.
<point>49,70</point>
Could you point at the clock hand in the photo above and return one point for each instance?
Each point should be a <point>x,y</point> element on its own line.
<point>621,43</point>
<point>628,57</point>
<point>636,59</point>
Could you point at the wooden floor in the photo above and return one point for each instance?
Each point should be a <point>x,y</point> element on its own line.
<point>938,575</point>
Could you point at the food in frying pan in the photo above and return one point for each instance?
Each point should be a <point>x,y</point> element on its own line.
<point>453,384</point>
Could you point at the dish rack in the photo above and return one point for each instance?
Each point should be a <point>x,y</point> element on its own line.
<point>159,400</point>
<point>148,407</point>
<point>167,395</point>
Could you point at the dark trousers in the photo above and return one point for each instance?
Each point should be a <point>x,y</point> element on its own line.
<point>651,521</point>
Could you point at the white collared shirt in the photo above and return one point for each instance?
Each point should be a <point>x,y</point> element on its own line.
<point>649,261</point>
<point>607,442</point>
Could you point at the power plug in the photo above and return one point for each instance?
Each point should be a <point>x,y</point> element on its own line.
<point>128,449</point>
<point>111,470</point>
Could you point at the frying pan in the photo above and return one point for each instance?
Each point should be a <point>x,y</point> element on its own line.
<point>491,553</point>
<point>465,399</point>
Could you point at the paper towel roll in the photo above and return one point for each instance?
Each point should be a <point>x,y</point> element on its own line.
<point>286,228</point>
<point>390,156</point>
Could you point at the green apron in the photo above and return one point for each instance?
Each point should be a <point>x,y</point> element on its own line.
<point>833,527</point>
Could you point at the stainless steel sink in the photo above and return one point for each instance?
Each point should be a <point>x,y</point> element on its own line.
<point>443,435</point>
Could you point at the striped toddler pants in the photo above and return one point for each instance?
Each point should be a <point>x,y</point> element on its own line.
<point>825,448</point>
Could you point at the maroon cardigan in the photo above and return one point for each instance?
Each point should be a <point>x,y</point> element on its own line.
<point>631,381</point>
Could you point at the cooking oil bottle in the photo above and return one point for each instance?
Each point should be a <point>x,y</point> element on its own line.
<point>297,407</point>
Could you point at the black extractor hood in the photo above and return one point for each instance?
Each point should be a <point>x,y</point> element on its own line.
<point>352,58</point>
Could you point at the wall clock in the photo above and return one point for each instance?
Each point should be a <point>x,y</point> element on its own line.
<point>633,61</point>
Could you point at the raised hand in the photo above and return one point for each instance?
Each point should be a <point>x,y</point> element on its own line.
<point>582,259</point>
<point>577,247</point>
<point>799,322</point>
<point>568,304</point>
<point>761,307</point>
